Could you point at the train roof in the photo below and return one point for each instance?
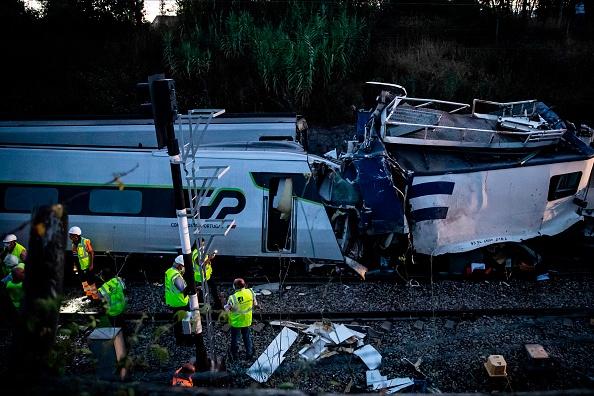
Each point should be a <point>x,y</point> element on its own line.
<point>140,133</point>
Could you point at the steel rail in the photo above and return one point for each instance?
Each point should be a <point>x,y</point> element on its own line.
<point>467,314</point>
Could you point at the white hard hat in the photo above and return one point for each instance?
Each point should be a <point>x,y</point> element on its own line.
<point>75,230</point>
<point>11,261</point>
<point>9,238</point>
<point>179,260</point>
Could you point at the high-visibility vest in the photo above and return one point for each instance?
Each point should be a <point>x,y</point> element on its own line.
<point>174,297</point>
<point>18,249</point>
<point>242,302</point>
<point>197,257</point>
<point>179,381</point>
<point>113,292</point>
<point>82,251</point>
<point>15,292</point>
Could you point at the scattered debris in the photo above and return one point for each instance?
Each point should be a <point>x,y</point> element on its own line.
<point>419,324</point>
<point>358,268</point>
<point>273,356</point>
<point>386,326</point>
<point>370,356</point>
<point>374,376</point>
<point>450,324</point>
<point>258,327</point>
<point>286,323</point>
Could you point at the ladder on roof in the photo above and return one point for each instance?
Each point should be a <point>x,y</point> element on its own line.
<point>199,180</point>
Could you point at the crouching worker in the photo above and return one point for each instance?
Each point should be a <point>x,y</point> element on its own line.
<point>240,306</point>
<point>112,294</point>
<point>183,375</point>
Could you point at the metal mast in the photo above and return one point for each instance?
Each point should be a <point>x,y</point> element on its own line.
<point>199,180</point>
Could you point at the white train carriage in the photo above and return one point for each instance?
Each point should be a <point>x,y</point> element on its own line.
<point>141,217</point>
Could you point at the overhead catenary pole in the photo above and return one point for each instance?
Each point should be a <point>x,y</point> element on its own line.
<point>164,106</point>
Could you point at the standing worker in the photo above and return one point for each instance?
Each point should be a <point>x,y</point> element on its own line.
<point>11,246</point>
<point>83,263</point>
<point>199,256</point>
<point>240,306</point>
<point>175,295</point>
<point>112,293</point>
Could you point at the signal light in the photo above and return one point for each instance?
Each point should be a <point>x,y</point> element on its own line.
<point>162,105</point>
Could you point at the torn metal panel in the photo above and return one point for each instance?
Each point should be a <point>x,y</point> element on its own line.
<point>370,356</point>
<point>273,356</point>
<point>373,376</point>
<point>396,382</point>
<point>400,387</point>
<point>340,333</point>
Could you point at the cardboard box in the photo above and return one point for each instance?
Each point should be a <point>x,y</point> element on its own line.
<point>496,366</point>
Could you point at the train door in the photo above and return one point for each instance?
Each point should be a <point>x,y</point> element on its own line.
<point>279,220</point>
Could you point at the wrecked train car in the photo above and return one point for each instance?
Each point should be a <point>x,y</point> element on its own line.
<point>445,177</point>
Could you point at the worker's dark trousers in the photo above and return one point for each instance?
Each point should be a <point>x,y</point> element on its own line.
<point>212,287</point>
<point>178,330</point>
<point>247,341</point>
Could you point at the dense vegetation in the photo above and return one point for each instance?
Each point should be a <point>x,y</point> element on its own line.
<point>81,57</point>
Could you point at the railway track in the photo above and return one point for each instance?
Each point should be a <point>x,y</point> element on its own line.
<point>466,314</point>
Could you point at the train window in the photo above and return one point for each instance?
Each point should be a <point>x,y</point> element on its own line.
<point>25,198</point>
<point>115,201</point>
<point>564,185</point>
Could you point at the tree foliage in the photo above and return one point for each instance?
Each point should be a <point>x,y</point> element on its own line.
<point>86,56</point>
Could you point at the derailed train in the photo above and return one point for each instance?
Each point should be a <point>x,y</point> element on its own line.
<point>416,179</point>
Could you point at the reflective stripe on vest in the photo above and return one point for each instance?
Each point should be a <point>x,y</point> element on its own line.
<point>82,253</point>
<point>113,290</point>
<point>174,297</point>
<point>241,312</point>
<point>197,257</point>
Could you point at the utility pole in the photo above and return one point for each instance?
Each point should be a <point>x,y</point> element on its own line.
<point>164,108</point>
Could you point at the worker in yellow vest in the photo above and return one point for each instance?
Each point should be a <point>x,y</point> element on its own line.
<point>112,293</point>
<point>11,246</point>
<point>199,256</point>
<point>240,305</point>
<point>15,293</point>
<point>176,296</point>
<point>83,263</point>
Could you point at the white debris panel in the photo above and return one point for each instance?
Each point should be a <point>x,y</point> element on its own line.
<point>273,356</point>
<point>326,339</point>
